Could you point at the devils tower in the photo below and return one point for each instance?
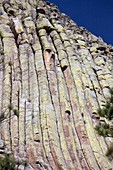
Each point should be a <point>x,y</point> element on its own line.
<point>54,76</point>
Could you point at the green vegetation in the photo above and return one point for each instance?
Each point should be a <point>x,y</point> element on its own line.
<point>7,163</point>
<point>104,129</point>
<point>107,112</point>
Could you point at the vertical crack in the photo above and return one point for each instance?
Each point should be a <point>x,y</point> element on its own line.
<point>40,110</point>
<point>25,146</point>
<point>10,110</point>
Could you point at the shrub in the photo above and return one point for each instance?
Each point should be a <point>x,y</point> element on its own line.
<point>107,111</point>
<point>7,163</point>
<point>103,129</point>
<point>101,112</point>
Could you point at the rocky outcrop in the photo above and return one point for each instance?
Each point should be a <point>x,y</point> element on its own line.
<point>54,76</point>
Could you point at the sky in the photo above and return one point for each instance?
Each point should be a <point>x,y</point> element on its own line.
<point>95,15</point>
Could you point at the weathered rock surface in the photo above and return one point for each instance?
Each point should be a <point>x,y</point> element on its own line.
<point>55,75</point>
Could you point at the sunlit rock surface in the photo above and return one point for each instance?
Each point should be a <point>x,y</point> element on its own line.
<point>54,75</point>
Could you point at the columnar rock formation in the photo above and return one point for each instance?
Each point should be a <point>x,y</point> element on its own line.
<point>54,76</point>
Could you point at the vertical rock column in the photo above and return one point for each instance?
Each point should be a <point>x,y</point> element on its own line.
<point>54,76</point>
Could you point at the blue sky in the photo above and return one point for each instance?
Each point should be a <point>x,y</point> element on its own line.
<point>94,15</point>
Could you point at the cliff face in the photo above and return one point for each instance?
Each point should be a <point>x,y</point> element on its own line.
<point>54,76</point>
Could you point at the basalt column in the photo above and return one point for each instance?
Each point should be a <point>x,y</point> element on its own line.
<point>54,76</point>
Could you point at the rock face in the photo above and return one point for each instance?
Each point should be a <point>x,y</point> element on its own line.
<point>54,76</point>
